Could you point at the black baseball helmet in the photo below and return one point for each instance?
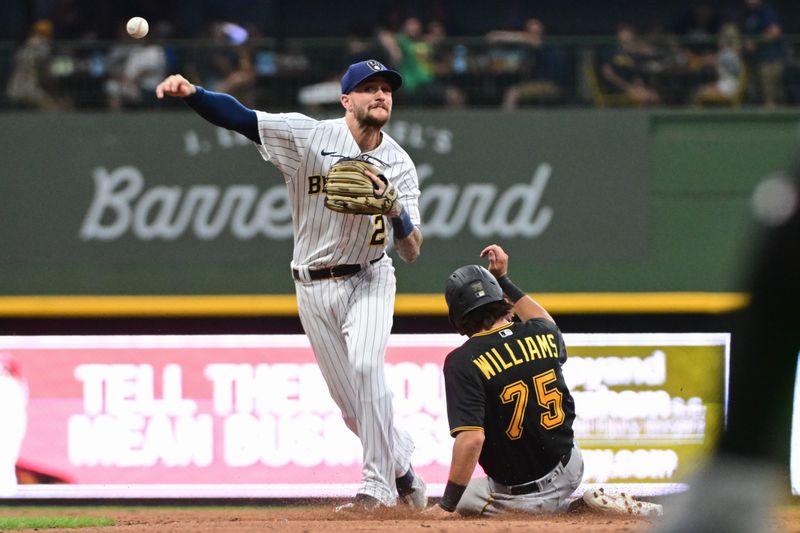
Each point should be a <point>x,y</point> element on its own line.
<point>468,288</point>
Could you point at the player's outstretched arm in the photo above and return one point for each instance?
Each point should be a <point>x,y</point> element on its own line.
<point>218,108</point>
<point>525,307</point>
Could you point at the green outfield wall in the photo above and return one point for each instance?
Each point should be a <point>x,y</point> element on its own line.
<point>592,201</point>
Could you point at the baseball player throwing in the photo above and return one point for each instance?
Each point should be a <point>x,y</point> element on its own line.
<point>344,280</point>
<point>507,403</point>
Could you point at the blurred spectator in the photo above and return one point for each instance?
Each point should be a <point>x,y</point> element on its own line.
<point>436,37</point>
<point>539,65</point>
<point>729,65</point>
<point>225,65</point>
<point>30,82</point>
<point>358,47</point>
<point>697,28</point>
<point>134,70</point>
<point>413,55</point>
<point>624,69</point>
<point>765,44</point>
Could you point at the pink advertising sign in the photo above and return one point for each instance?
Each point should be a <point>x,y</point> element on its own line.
<point>213,410</point>
<point>250,416</point>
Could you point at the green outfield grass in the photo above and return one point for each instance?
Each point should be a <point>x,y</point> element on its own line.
<point>50,522</point>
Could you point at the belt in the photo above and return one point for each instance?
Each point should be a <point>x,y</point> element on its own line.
<point>338,271</point>
<point>537,485</point>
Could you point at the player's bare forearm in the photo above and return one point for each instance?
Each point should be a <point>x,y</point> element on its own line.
<point>466,451</point>
<point>526,308</point>
<point>409,247</point>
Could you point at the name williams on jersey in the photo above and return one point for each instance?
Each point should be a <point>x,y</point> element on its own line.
<point>516,352</point>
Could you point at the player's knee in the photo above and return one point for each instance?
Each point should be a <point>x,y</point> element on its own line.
<point>369,374</point>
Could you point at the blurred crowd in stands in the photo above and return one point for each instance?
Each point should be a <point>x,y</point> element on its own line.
<point>77,55</point>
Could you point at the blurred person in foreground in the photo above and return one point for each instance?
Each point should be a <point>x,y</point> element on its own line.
<point>29,84</point>
<point>740,488</point>
<point>508,405</point>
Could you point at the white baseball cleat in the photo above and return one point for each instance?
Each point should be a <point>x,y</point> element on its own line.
<point>622,503</point>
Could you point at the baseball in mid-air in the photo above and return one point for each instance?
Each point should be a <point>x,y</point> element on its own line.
<point>137,27</point>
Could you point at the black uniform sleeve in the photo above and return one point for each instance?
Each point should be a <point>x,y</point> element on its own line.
<point>466,398</point>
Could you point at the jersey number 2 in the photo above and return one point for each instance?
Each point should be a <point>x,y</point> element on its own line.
<point>550,399</point>
<point>379,233</point>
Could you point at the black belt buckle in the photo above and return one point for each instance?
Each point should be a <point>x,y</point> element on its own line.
<point>337,271</point>
<point>340,271</point>
<point>525,488</point>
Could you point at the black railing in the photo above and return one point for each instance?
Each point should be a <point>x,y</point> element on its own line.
<point>303,73</point>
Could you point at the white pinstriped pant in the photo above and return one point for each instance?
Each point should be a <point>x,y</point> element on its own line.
<point>14,421</point>
<point>348,321</point>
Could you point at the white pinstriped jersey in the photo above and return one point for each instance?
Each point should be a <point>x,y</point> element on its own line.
<point>14,421</point>
<point>303,149</point>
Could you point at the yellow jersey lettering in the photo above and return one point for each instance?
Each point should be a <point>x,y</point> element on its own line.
<point>500,358</point>
<point>511,353</point>
<point>541,340</point>
<point>551,340</point>
<point>532,348</point>
<point>484,366</point>
<point>523,350</point>
<point>494,361</point>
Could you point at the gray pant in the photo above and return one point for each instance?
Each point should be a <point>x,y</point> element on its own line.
<point>485,497</point>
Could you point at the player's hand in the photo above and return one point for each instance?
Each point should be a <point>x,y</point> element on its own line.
<point>175,85</point>
<point>498,260</point>
<point>381,187</point>
<point>434,511</point>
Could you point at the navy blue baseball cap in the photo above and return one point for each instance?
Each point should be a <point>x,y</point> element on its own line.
<point>358,72</point>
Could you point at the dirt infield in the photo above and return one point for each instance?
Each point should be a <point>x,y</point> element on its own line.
<point>295,519</point>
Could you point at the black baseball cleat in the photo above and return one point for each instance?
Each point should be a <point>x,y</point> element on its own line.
<point>361,503</point>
